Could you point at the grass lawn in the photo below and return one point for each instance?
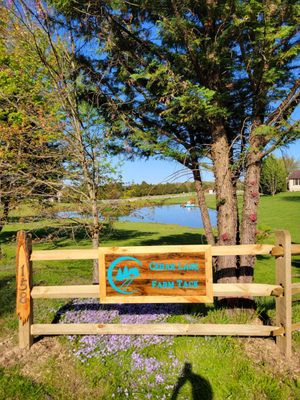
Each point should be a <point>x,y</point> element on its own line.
<point>139,368</point>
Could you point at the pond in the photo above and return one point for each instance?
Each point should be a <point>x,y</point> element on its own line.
<point>171,214</point>
<point>167,214</point>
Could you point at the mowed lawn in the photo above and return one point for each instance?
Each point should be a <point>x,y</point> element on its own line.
<point>139,368</point>
<point>281,212</point>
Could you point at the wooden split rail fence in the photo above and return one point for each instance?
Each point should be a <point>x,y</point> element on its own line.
<point>283,291</point>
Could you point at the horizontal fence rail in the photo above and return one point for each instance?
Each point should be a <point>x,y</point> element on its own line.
<point>93,254</point>
<point>157,329</point>
<point>296,288</point>
<point>296,327</point>
<point>219,290</point>
<point>283,291</point>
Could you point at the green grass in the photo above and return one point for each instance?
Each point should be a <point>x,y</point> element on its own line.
<point>218,367</point>
<point>281,212</point>
<point>15,386</point>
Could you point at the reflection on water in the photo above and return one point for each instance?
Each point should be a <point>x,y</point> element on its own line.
<point>69,214</point>
<point>171,214</point>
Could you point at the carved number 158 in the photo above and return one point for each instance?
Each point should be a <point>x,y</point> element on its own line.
<point>23,287</point>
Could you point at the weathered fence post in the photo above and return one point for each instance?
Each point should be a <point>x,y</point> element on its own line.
<point>24,285</point>
<point>284,303</point>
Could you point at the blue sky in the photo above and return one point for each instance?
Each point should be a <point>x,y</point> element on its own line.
<point>153,171</point>
<point>160,171</point>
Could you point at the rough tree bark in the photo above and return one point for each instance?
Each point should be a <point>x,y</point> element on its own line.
<point>202,205</point>
<point>226,204</point>
<point>249,217</point>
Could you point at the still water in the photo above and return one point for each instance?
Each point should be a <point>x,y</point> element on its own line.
<point>171,214</point>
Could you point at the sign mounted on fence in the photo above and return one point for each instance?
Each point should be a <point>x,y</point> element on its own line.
<point>156,274</point>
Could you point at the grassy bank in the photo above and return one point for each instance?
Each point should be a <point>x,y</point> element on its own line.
<point>182,367</point>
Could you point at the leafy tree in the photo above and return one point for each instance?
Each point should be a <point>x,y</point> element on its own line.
<point>273,176</point>
<point>290,163</point>
<point>30,156</point>
<point>215,79</point>
<point>85,134</point>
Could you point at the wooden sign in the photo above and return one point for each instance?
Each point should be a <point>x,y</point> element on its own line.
<point>156,274</point>
<point>23,279</point>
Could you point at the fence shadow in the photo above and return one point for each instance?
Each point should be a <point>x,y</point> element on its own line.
<point>201,388</point>
<point>7,295</point>
<point>180,239</point>
<point>291,198</point>
<point>296,263</point>
<point>56,236</point>
<point>121,309</point>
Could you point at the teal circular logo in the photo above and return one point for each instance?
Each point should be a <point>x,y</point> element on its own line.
<point>124,276</point>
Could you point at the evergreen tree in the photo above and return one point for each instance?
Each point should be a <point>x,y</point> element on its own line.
<point>193,79</point>
<point>273,176</point>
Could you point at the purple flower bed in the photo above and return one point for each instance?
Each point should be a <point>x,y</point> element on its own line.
<point>156,376</point>
<point>147,377</point>
<point>90,311</point>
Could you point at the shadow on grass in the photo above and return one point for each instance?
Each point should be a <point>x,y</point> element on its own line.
<point>58,235</point>
<point>182,238</point>
<point>7,295</point>
<point>264,306</point>
<point>296,263</point>
<point>264,257</point>
<point>123,234</point>
<point>26,220</point>
<point>121,309</point>
<point>201,388</point>
<point>8,236</point>
<point>131,309</point>
<point>17,386</point>
<point>54,234</point>
<point>291,198</point>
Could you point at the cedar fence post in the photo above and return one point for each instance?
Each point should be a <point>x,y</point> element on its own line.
<point>24,302</point>
<point>284,303</point>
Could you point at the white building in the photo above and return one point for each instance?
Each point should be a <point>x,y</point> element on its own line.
<point>294,181</point>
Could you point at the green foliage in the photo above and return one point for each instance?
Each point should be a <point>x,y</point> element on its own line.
<point>30,158</point>
<point>146,189</point>
<point>214,359</point>
<point>189,77</point>
<point>26,96</point>
<point>117,190</point>
<point>59,136</point>
<point>180,80</point>
<point>290,163</point>
<point>182,101</point>
<point>273,176</point>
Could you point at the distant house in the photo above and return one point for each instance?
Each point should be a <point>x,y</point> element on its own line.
<point>210,191</point>
<point>294,181</point>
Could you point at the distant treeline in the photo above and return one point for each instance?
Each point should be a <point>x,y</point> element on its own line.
<point>119,190</point>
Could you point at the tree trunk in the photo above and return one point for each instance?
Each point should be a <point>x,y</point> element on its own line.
<point>95,239</point>
<point>89,180</point>
<point>4,217</point>
<point>226,204</point>
<point>203,207</point>
<point>249,217</point>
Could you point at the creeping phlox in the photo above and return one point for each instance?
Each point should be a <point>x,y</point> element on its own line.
<point>148,377</point>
